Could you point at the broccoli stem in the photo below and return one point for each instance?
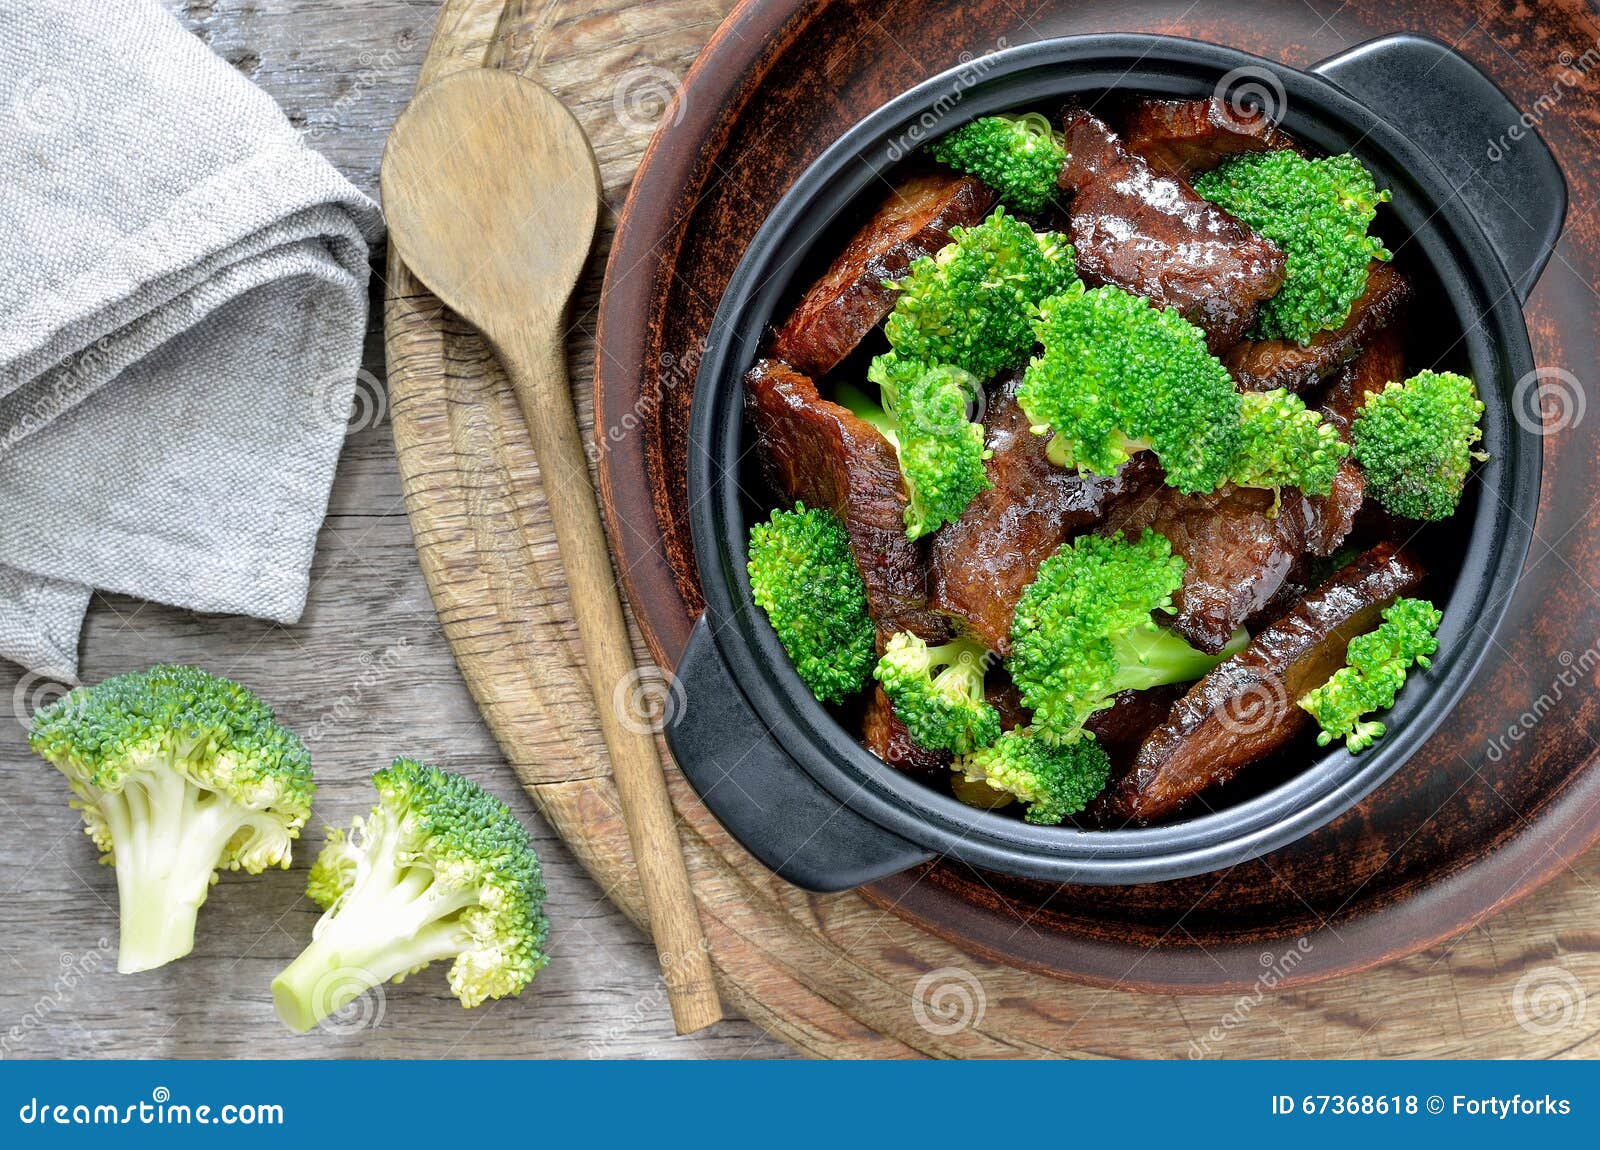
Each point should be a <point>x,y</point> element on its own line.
<point>1155,656</point>
<point>168,834</point>
<point>393,921</point>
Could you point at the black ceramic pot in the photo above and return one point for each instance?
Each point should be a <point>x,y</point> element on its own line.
<point>792,785</point>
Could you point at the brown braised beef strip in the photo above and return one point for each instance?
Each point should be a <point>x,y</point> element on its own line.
<point>888,738</point>
<point>1245,708</point>
<point>1263,365</point>
<point>980,565</point>
<point>1334,515</point>
<point>818,452</point>
<point>851,297</point>
<point>1237,551</point>
<point>1188,137</point>
<point>1152,235</point>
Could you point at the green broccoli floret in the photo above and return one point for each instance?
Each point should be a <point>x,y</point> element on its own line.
<point>178,773</point>
<point>1083,630</point>
<point>1054,779</point>
<point>803,575</point>
<point>1318,212</point>
<point>1376,666</point>
<point>937,692</point>
<point>971,303</point>
<point>923,412</point>
<point>1285,444</point>
<point>1414,441</point>
<point>1118,376</point>
<point>440,869</point>
<point>1018,156</point>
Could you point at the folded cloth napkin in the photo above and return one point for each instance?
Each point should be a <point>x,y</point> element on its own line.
<point>183,299</point>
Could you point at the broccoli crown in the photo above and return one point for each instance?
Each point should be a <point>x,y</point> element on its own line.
<point>1414,441</point>
<point>923,411</point>
<point>971,303</point>
<point>1118,376</point>
<point>1318,212</point>
<point>178,773</point>
<point>1053,779</point>
<point>1018,156</point>
<point>1083,631</point>
<point>1375,670</point>
<point>1285,444</point>
<point>804,577</point>
<point>440,869</point>
<point>937,692</point>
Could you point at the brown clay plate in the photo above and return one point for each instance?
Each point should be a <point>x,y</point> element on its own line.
<point>1499,800</point>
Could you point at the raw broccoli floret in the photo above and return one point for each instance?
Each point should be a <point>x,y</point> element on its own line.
<point>971,304</point>
<point>923,411</point>
<point>1375,670</point>
<point>440,869</point>
<point>1018,156</point>
<point>1053,779</point>
<point>1083,630</point>
<point>803,575</point>
<point>937,692</point>
<point>1285,444</point>
<point>178,773</point>
<point>1318,212</point>
<point>1118,376</point>
<point>1415,442</point>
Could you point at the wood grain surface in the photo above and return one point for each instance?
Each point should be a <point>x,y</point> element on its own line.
<point>843,975</point>
<point>364,675</point>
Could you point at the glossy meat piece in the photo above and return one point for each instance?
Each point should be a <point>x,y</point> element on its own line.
<point>1187,137</point>
<point>1334,514</point>
<point>887,737</point>
<point>851,299</point>
<point>1245,708</point>
<point>1262,365</point>
<point>980,565</point>
<point>1236,552</point>
<point>1152,235</point>
<point>816,451</point>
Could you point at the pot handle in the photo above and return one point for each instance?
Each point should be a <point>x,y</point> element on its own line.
<point>763,797</point>
<point>1481,141</point>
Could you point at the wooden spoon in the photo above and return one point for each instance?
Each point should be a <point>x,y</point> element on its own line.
<point>492,194</point>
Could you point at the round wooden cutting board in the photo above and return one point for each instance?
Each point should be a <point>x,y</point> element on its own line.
<point>938,961</point>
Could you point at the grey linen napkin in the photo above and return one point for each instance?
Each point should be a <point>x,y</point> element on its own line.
<point>183,298</point>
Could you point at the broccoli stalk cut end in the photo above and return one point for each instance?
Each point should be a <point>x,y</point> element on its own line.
<point>937,692</point>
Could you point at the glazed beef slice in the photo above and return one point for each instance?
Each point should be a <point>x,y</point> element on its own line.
<point>1185,138</point>
<point>1245,709</point>
<point>1152,235</point>
<point>980,565</point>
<point>851,298</point>
<point>1267,364</point>
<point>815,451</point>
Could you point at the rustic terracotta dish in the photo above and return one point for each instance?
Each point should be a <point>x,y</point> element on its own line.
<point>747,108</point>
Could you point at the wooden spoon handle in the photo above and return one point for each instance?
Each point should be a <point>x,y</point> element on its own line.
<point>538,372</point>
